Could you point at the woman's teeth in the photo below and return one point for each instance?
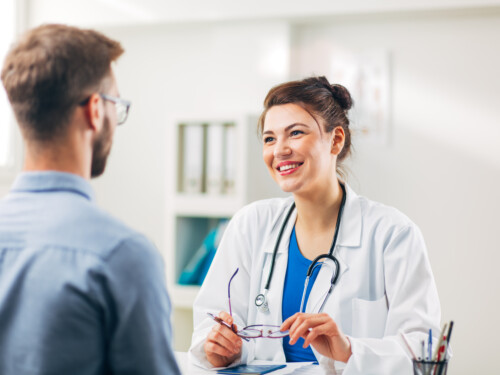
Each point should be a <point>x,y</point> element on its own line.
<point>287,167</point>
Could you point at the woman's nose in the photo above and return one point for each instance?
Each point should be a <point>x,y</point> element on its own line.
<point>282,148</point>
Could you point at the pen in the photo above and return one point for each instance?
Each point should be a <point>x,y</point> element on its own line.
<point>440,349</point>
<point>429,346</point>
<point>440,342</point>
<point>449,332</point>
<point>423,350</point>
<point>403,336</point>
<point>445,348</point>
<point>448,336</point>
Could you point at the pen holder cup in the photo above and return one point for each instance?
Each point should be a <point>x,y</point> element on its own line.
<point>430,367</point>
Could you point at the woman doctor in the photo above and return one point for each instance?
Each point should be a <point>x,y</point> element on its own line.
<point>370,276</point>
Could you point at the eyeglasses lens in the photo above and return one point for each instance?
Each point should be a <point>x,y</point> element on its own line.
<point>277,334</point>
<point>121,113</point>
<point>262,331</point>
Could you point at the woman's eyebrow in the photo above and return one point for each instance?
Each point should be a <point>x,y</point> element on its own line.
<point>296,124</point>
<point>287,128</point>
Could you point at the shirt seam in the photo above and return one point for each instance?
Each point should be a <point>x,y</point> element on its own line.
<point>84,250</point>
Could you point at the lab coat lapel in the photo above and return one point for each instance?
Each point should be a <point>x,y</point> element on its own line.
<point>351,222</point>
<point>322,284</point>
<point>270,241</point>
<point>272,349</point>
<point>275,294</point>
<point>349,236</point>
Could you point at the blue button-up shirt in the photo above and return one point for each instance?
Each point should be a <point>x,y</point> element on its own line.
<point>80,292</point>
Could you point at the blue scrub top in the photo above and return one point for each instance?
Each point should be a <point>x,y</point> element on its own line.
<point>296,272</point>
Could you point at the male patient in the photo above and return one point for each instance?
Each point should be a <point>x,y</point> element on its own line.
<point>80,293</point>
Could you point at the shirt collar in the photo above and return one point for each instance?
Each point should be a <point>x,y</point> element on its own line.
<point>352,220</point>
<point>53,181</point>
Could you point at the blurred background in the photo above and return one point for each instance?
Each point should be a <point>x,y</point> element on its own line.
<point>426,122</point>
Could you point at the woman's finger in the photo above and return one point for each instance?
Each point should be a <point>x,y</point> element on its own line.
<point>225,337</point>
<point>226,317</point>
<point>288,323</point>
<point>212,347</point>
<point>327,329</point>
<point>304,323</point>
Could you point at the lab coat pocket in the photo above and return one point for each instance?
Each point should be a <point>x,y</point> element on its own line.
<point>369,317</point>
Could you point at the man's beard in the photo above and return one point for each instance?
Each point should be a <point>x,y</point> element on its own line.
<point>101,149</point>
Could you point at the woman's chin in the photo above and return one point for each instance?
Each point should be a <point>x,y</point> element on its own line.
<point>288,188</point>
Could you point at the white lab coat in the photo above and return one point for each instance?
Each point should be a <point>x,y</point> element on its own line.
<point>385,285</point>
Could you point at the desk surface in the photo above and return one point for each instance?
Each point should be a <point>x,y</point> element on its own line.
<point>296,368</point>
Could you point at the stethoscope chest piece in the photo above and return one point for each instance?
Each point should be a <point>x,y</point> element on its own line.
<point>261,302</point>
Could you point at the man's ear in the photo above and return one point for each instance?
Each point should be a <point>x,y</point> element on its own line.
<point>338,140</point>
<point>95,112</point>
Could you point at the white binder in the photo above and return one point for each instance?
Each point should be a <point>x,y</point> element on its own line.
<point>214,159</point>
<point>192,173</point>
<point>230,166</point>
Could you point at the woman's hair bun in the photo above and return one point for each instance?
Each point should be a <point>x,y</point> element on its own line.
<point>342,96</point>
<point>339,93</point>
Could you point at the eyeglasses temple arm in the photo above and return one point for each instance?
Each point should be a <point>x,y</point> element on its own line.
<point>229,291</point>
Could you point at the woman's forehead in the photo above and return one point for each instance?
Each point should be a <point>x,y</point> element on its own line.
<point>286,114</point>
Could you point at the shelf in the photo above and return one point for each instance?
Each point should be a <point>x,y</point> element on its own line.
<point>205,205</point>
<point>183,295</point>
<point>192,212</point>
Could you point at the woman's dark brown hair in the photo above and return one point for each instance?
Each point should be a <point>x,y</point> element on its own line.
<point>320,99</point>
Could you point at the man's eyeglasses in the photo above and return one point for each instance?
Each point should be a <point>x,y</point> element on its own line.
<point>253,331</point>
<point>122,106</point>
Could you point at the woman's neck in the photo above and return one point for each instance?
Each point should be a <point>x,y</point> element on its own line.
<point>318,212</point>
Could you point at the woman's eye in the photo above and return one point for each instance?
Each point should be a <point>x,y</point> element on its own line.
<point>296,132</point>
<point>268,139</point>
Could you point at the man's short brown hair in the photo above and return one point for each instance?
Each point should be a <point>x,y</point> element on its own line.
<point>50,70</point>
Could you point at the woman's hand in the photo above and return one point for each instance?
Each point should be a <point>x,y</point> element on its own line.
<point>222,345</point>
<point>320,331</point>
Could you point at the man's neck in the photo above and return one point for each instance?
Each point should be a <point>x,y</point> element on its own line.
<point>61,156</point>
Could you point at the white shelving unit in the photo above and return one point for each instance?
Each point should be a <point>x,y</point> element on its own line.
<point>191,216</point>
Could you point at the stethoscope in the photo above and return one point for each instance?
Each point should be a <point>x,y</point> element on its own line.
<point>261,299</point>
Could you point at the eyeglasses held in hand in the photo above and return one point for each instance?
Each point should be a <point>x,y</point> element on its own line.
<point>253,331</point>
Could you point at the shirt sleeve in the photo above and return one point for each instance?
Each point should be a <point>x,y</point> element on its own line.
<point>413,308</point>
<point>137,310</point>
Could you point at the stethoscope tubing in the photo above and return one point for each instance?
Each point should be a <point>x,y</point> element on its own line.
<point>277,244</point>
<point>315,261</point>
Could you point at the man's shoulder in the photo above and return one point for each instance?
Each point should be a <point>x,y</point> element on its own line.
<point>84,226</point>
<point>106,232</point>
<point>63,219</point>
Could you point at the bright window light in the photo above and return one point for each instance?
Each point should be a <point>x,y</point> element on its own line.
<point>7,29</point>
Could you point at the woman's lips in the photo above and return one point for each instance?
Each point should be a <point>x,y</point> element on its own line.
<point>288,167</point>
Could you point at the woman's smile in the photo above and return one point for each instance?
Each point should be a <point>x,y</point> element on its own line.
<point>288,167</point>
